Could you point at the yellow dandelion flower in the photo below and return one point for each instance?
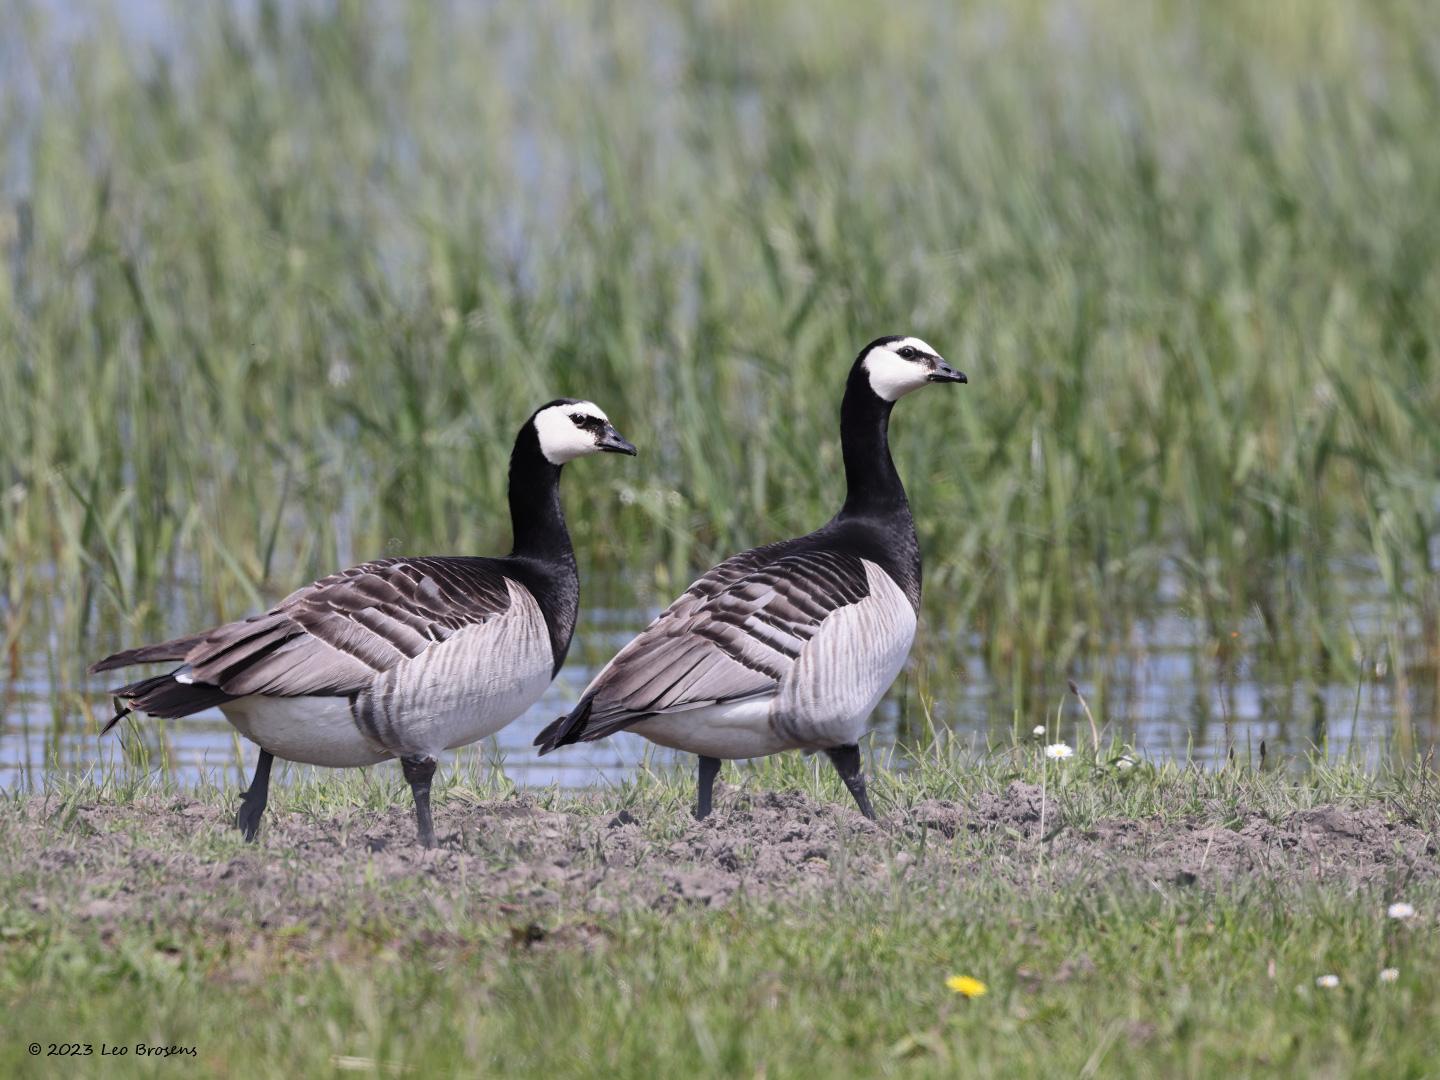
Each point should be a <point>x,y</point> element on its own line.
<point>965,985</point>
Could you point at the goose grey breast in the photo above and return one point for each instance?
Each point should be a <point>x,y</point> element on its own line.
<point>463,688</point>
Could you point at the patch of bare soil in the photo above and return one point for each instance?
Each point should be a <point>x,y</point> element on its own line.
<point>515,858</point>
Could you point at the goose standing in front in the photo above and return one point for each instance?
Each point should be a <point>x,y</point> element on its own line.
<point>791,645</point>
<point>400,657</point>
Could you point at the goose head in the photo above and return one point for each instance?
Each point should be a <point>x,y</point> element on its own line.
<point>898,365</point>
<point>567,429</point>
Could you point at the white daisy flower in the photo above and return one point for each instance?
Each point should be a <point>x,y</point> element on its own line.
<point>1058,751</point>
<point>1389,975</point>
<point>1400,910</point>
<point>1039,731</point>
<point>1328,982</point>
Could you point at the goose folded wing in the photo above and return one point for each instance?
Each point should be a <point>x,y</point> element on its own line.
<point>722,642</point>
<point>335,636</point>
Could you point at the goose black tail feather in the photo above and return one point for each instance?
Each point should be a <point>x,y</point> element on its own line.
<point>175,649</point>
<point>567,729</point>
<point>583,725</point>
<point>121,711</point>
<point>163,696</point>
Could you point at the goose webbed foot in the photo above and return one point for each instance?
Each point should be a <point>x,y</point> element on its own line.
<point>709,768</point>
<point>846,760</point>
<point>255,798</point>
<point>419,771</point>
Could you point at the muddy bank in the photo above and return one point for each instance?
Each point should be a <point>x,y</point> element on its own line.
<point>177,856</point>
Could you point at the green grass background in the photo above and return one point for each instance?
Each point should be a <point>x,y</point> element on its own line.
<point>278,290</point>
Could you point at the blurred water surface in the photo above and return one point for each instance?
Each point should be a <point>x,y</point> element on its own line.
<point>1169,689</point>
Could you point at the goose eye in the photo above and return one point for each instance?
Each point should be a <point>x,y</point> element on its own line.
<point>578,419</point>
<point>908,353</point>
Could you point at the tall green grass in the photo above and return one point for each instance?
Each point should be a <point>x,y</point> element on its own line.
<point>277,292</point>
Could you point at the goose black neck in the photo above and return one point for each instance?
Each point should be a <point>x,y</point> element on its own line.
<point>536,516</point>
<point>873,487</point>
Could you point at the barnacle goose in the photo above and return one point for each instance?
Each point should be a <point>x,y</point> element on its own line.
<point>791,645</point>
<point>400,657</point>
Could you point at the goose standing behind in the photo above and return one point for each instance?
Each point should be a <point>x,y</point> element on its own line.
<point>401,657</point>
<point>791,645</point>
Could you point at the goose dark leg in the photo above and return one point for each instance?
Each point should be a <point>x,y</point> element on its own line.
<point>255,798</point>
<point>419,771</point>
<point>846,760</point>
<point>709,768</point>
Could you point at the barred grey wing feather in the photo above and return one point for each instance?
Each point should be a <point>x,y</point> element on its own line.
<point>733,635</point>
<point>335,636</point>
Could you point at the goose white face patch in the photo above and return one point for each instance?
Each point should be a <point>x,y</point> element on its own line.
<point>562,438</point>
<point>892,376</point>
